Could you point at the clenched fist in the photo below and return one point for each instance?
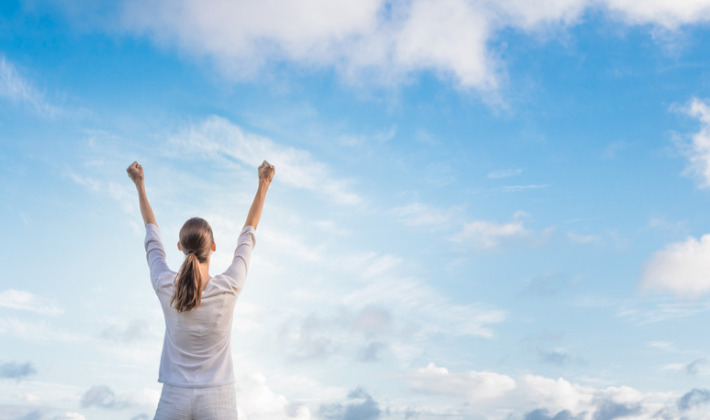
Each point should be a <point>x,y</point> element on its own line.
<point>266,171</point>
<point>135,172</point>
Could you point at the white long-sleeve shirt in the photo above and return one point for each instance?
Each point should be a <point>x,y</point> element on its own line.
<point>196,348</point>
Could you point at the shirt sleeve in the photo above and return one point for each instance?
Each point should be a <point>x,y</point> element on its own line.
<point>155,253</point>
<point>236,273</point>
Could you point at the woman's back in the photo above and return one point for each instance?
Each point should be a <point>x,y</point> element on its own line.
<point>196,364</point>
<point>196,347</point>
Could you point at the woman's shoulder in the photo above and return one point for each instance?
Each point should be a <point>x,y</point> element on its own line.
<point>221,283</point>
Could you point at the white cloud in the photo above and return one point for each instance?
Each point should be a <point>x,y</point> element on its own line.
<point>692,368</point>
<point>37,331</point>
<point>504,173</point>
<point>414,301</point>
<point>418,214</point>
<point>518,188</point>
<point>257,401</point>
<point>661,345</point>
<point>217,138</point>
<point>668,14</point>
<point>581,238</point>
<point>682,268</point>
<point>472,386</point>
<point>496,395</point>
<point>16,88</point>
<point>447,36</point>
<point>655,310</point>
<point>389,39</point>
<point>70,415</point>
<point>374,41</point>
<point>26,301</point>
<point>698,151</point>
<point>487,235</point>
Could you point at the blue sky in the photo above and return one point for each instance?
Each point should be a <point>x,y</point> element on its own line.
<point>482,210</point>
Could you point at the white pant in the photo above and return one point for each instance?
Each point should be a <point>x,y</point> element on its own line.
<point>213,403</point>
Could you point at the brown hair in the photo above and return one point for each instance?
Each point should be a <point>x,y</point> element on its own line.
<point>196,241</point>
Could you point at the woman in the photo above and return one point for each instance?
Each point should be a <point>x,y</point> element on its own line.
<point>196,364</point>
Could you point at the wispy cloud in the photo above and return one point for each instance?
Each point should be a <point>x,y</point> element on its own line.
<point>37,331</point>
<point>14,87</point>
<point>660,311</point>
<point>519,188</point>
<point>26,301</point>
<point>135,330</point>
<point>416,302</point>
<point>694,368</point>
<point>661,345</point>
<point>218,139</point>
<point>421,215</point>
<point>488,235</point>
<point>504,173</point>
<point>698,149</point>
<point>582,238</point>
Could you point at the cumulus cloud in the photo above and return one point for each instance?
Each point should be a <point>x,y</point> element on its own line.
<point>543,414</point>
<point>258,401</point>
<point>217,138</point>
<point>667,14</point>
<point>102,396</point>
<point>387,39</point>
<point>26,301</point>
<point>681,268</point>
<point>377,41</point>
<point>472,386</point>
<point>608,410</point>
<point>69,415</point>
<point>15,88</point>
<point>694,398</point>
<point>533,397</point>
<point>14,370</point>
<point>359,406</point>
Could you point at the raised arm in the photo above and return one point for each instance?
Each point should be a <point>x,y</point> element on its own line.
<point>135,172</point>
<point>266,174</point>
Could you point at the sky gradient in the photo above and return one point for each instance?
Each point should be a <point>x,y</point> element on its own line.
<point>481,210</point>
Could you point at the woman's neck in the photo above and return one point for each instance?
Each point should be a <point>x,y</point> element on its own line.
<point>205,273</point>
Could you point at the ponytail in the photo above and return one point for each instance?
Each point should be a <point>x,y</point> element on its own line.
<point>188,285</point>
<point>196,241</point>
